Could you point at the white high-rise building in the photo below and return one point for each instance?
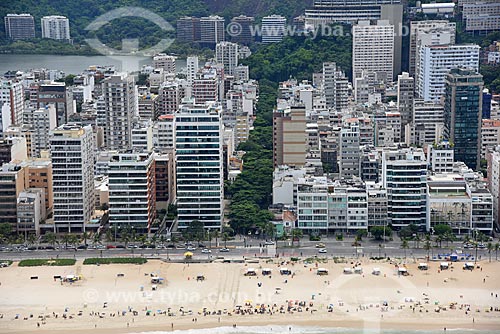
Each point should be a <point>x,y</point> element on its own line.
<point>19,26</point>
<point>166,62</point>
<point>226,53</point>
<point>132,191</point>
<point>212,30</point>
<point>273,28</point>
<point>11,94</point>
<point>199,165</point>
<point>349,152</point>
<point>428,123</point>
<point>493,158</point>
<point>335,87</point>
<point>55,27</point>
<point>120,104</point>
<point>44,121</point>
<point>192,67</point>
<point>404,175</point>
<point>435,62</point>
<point>406,93</point>
<point>72,153</point>
<point>426,33</point>
<point>373,49</point>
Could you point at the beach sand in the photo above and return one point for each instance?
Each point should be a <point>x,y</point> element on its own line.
<point>228,297</point>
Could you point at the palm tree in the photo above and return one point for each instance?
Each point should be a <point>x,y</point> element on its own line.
<point>142,239</point>
<point>50,238</point>
<point>66,239</point>
<point>74,239</point>
<point>490,247</point>
<point>109,235</point>
<point>85,236</point>
<point>96,238</point>
<point>31,239</point>
<point>497,247</point>
<point>154,240</point>
<point>225,238</point>
<point>216,235</point>
<point>417,240</point>
<point>438,240</point>
<point>405,245</point>
<point>427,247</point>
<point>125,238</point>
<point>296,233</point>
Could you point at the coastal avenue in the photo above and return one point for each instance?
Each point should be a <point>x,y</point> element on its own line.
<point>237,249</point>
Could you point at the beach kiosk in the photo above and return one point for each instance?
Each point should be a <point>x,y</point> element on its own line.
<point>348,271</point>
<point>402,271</point>
<point>444,265</point>
<point>156,280</point>
<point>250,272</point>
<point>266,272</point>
<point>423,266</point>
<point>376,271</point>
<point>322,272</point>
<point>285,271</point>
<point>468,266</point>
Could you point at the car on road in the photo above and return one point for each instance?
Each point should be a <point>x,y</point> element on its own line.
<point>322,250</point>
<point>206,251</point>
<point>224,250</point>
<point>320,245</point>
<point>191,248</point>
<point>110,247</point>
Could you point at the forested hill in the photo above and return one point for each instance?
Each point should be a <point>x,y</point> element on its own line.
<point>82,12</point>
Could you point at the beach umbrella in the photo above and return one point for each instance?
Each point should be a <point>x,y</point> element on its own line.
<point>188,254</point>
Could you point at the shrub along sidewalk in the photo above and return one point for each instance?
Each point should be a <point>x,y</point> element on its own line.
<point>46,262</point>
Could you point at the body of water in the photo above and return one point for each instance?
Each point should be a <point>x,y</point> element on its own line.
<point>314,330</point>
<point>73,64</point>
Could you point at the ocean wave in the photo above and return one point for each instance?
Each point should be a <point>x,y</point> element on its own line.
<point>269,329</point>
<point>281,329</point>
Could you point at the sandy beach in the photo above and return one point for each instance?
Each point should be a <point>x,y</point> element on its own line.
<point>107,302</point>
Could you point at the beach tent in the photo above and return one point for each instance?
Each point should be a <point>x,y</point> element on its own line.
<point>468,266</point>
<point>156,280</point>
<point>358,270</point>
<point>322,271</point>
<point>347,270</point>
<point>376,271</point>
<point>285,271</point>
<point>423,266</point>
<point>250,272</point>
<point>266,271</point>
<point>444,265</point>
<point>402,271</point>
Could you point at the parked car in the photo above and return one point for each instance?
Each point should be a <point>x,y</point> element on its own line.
<point>269,243</point>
